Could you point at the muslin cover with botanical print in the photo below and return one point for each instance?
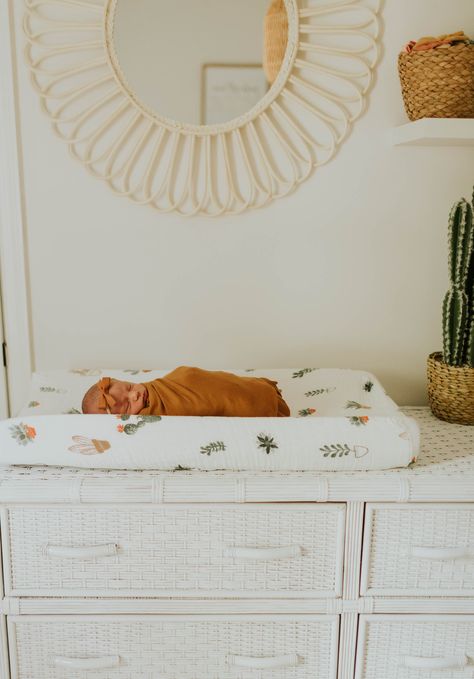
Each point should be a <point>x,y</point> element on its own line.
<point>340,420</point>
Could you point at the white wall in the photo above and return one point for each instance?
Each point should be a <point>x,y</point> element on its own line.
<point>348,271</point>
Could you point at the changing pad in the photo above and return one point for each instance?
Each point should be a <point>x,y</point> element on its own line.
<point>340,420</point>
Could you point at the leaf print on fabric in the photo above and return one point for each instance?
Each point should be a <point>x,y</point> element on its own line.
<point>357,406</point>
<point>318,392</point>
<point>358,421</point>
<point>306,411</point>
<point>132,427</point>
<point>303,372</point>
<point>334,450</point>
<point>53,390</point>
<point>73,411</point>
<point>213,447</point>
<point>87,372</point>
<point>136,371</point>
<point>33,404</point>
<point>368,386</point>
<point>87,446</point>
<point>266,442</point>
<point>23,433</point>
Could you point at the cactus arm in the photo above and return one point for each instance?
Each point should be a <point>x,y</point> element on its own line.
<point>469,357</point>
<point>461,240</point>
<point>455,307</point>
<point>469,341</point>
<point>458,306</point>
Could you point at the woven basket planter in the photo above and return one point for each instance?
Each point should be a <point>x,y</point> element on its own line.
<point>438,83</point>
<point>450,391</point>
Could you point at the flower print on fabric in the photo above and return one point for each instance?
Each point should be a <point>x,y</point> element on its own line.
<point>213,447</point>
<point>358,421</point>
<point>355,405</point>
<point>132,427</point>
<point>266,442</point>
<point>342,449</point>
<point>87,446</point>
<point>23,433</point>
<point>303,372</point>
<point>306,411</point>
<point>33,404</point>
<point>318,392</point>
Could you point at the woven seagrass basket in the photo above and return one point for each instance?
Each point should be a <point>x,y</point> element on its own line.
<point>438,83</point>
<point>450,390</point>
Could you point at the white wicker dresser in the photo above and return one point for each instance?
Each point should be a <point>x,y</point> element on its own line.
<point>219,575</point>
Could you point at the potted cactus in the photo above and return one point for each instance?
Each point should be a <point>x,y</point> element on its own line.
<point>451,373</point>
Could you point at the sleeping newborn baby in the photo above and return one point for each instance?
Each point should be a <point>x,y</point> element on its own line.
<point>188,391</point>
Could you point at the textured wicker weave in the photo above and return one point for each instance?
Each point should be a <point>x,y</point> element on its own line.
<point>177,550</point>
<point>172,649</point>
<point>438,83</point>
<point>386,640</point>
<point>392,569</point>
<point>451,390</point>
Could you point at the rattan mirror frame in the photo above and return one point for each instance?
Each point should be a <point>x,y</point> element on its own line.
<point>196,169</point>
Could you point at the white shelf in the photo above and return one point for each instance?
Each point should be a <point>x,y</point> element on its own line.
<point>435,132</point>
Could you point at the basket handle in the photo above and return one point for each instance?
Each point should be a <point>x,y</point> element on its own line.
<point>454,662</point>
<point>84,664</point>
<point>263,663</point>
<point>90,552</point>
<point>442,553</point>
<point>263,553</point>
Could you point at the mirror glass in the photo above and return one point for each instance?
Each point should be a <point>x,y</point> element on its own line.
<point>195,61</point>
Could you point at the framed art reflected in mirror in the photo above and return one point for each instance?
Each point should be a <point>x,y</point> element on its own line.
<point>228,90</point>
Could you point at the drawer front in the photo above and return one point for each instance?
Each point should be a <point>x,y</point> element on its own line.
<point>187,550</point>
<point>196,647</point>
<point>419,550</point>
<point>415,647</point>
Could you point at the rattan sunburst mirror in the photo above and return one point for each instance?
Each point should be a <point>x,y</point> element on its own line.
<point>113,111</point>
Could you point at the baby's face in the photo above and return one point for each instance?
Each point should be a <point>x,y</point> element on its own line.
<point>129,398</point>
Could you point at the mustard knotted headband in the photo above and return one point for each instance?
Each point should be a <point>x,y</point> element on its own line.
<point>106,401</point>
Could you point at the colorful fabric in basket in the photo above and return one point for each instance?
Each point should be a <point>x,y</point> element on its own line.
<point>340,420</point>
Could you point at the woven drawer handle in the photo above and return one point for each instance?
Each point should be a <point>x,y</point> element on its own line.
<point>263,663</point>
<point>442,553</point>
<point>453,662</point>
<point>80,552</point>
<point>263,553</point>
<point>108,662</point>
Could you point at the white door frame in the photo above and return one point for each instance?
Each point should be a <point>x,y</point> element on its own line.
<point>15,298</point>
<point>4,408</point>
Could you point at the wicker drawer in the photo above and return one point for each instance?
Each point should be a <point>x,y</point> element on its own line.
<point>415,647</point>
<point>192,647</point>
<point>418,550</point>
<point>184,550</point>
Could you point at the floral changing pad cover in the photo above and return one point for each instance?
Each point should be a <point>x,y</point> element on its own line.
<point>340,420</point>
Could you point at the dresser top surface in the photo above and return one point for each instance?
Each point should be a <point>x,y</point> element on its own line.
<point>444,472</point>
